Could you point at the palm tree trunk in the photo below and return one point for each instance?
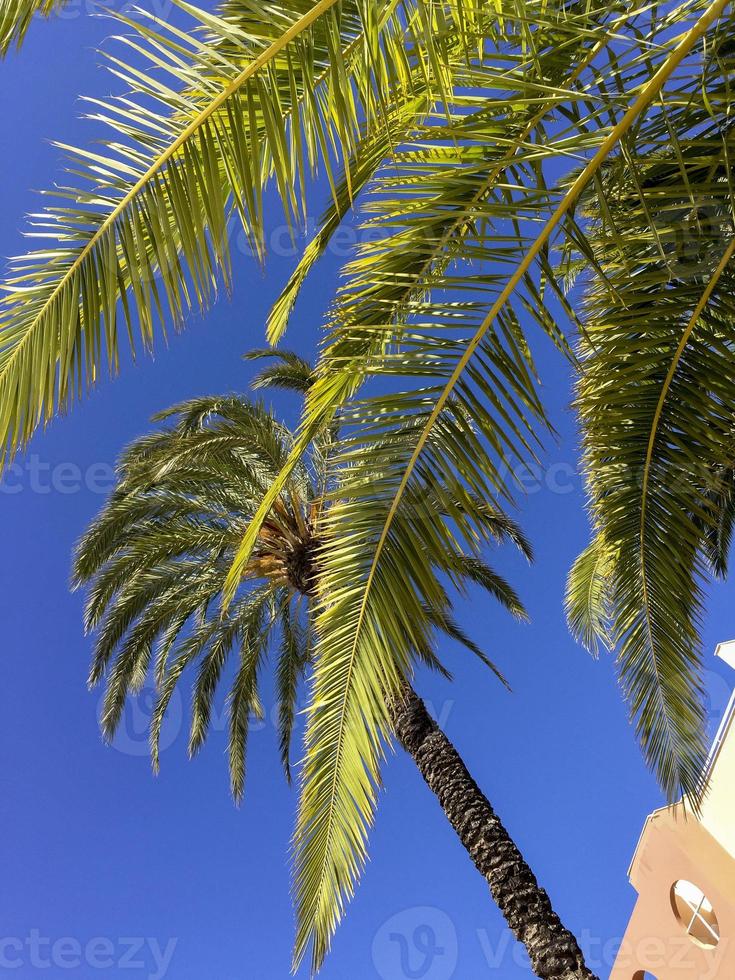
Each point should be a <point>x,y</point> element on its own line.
<point>554,952</point>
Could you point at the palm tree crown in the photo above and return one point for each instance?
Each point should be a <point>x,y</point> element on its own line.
<point>155,562</point>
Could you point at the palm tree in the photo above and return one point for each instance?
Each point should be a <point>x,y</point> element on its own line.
<point>481,137</point>
<point>155,562</point>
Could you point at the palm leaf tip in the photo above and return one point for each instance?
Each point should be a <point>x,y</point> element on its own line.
<point>587,600</point>
<point>16,17</point>
<point>287,371</point>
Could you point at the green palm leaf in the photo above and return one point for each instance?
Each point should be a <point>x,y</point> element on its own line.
<point>213,114</point>
<point>657,407</point>
<point>588,597</point>
<point>16,17</point>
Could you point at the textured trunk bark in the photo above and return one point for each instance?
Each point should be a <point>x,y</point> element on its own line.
<point>554,952</point>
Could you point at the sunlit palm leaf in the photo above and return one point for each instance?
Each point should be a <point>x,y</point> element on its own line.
<point>588,600</point>
<point>16,17</point>
<point>212,115</point>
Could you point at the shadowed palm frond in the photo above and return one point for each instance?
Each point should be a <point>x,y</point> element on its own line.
<point>657,404</point>
<point>717,527</point>
<point>289,371</point>
<point>155,560</point>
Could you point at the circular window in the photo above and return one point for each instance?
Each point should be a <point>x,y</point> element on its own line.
<point>694,911</point>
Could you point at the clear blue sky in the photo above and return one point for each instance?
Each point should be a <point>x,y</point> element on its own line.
<point>96,853</point>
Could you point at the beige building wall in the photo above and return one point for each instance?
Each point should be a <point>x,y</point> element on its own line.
<point>686,931</point>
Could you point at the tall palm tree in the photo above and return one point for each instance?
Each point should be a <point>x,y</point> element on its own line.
<point>155,562</point>
<point>478,135</point>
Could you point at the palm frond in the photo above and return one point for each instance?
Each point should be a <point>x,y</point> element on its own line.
<point>475,411</point>
<point>16,17</point>
<point>448,626</point>
<point>717,529</point>
<point>292,660</point>
<point>588,599</point>
<point>470,569</point>
<point>290,371</point>
<point>243,703</point>
<point>657,406</point>
<point>212,114</point>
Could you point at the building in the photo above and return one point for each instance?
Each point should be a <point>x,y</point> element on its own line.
<point>683,923</point>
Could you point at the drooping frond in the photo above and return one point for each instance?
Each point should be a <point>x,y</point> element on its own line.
<point>718,526</point>
<point>293,658</point>
<point>16,17</point>
<point>448,626</point>
<point>212,114</point>
<point>657,404</point>
<point>289,370</point>
<point>474,570</point>
<point>588,599</point>
<point>243,702</point>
